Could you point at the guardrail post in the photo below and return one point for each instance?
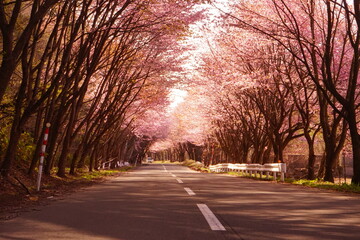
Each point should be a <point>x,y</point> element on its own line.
<point>283,171</point>
<point>282,176</point>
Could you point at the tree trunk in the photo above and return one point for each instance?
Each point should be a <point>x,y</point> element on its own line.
<point>16,128</point>
<point>334,146</point>
<point>322,167</point>
<point>329,166</point>
<point>311,162</point>
<point>276,152</point>
<point>91,163</point>
<point>11,150</point>
<point>38,139</point>
<point>281,153</point>
<point>36,155</point>
<point>356,159</point>
<point>96,160</point>
<point>62,163</point>
<point>53,135</point>
<point>74,159</point>
<point>67,142</point>
<point>267,153</point>
<point>6,70</point>
<point>355,140</point>
<point>38,128</point>
<point>85,150</point>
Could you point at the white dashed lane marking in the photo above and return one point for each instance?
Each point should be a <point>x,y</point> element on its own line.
<point>210,217</point>
<point>189,191</point>
<point>212,220</point>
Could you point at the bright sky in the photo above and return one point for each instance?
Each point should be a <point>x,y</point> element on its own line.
<point>176,97</point>
<point>201,35</point>
<point>198,39</point>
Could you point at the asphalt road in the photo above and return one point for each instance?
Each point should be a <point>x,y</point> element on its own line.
<point>172,202</point>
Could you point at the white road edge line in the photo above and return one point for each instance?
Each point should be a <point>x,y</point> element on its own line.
<point>189,191</point>
<point>173,175</point>
<point>179,180</point>
<point>213,222</point>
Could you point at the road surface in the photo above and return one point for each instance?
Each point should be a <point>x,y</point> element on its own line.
<point>163,201</point>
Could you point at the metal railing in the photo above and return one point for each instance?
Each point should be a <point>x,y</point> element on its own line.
<point>107,165</point>
<point>251,169</point>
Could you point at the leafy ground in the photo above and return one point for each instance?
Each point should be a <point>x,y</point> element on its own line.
<point>18,192</point>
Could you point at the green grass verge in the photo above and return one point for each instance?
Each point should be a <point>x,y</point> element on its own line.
<point>86,175</point>
<point>101,173</point>
<point>326,185</point>
<point>351,188</point>
<point>165,162</point>
<point>309,183</point>
<point>198,166</point>
<point>258,176</point>
<point>82,177</point>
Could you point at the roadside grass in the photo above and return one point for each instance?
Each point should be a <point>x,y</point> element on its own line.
<point>258,176</point>
<point>100,174</point>
<point>165,162</point>
<point>94,175</point>
<point>343,187</point>
<point>197,166</point>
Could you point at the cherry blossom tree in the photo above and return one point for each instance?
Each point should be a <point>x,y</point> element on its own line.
<point>90,68</point>
<point>317,35</point>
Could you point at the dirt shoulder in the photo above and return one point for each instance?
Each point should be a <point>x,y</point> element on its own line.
<point>18,194</point>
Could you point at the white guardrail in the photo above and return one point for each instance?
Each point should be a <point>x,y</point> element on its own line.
<point>252,169</point>
<point>107,165</point>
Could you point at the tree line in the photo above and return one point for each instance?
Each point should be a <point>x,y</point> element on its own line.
<point>88,67</point>
<point>303,66</point>
<point>282,70</point>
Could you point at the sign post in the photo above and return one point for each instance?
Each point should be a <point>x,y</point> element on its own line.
<point>42,154</point>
